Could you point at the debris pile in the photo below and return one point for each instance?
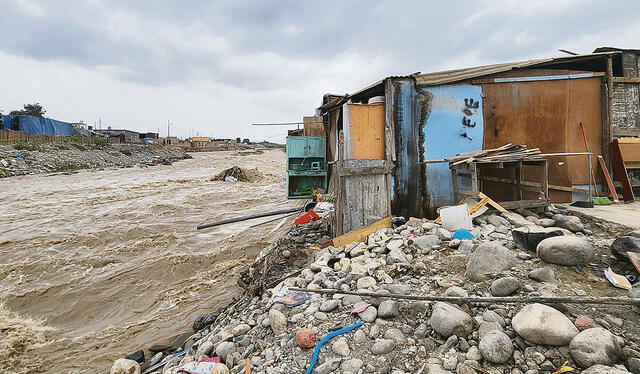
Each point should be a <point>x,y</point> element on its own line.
<point>65,157</point>
<point>292,324</point>
<point>238,174</point>
<point>508,152</point>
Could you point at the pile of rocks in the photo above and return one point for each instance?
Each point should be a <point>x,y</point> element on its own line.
<point>60,157</point>
<point>419,257</point>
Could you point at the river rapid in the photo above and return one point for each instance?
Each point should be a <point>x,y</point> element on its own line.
<point>96,265</point>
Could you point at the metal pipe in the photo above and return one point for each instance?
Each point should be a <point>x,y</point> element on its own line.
<point>245,218</point>
<point>472,299</point>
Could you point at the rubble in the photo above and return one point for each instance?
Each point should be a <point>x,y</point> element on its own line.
<point>404,336</point>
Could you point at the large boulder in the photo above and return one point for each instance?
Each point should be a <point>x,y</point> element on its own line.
<point>496,347</point>
<point>624,244</point>
<point>488,259</point>
<point>448,320</point>
<point>566,250</point>
<point>571,223</point>
<point>529,237</point>
<point>542,324</point>
<point>595,346</point>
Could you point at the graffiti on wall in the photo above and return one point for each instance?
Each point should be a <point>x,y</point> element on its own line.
<point>453,124</point>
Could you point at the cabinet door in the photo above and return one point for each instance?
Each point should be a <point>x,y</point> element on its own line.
<point>296,147</point>
<point>317,146</point>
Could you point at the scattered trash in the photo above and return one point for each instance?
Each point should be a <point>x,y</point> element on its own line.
<point>582,204</point>
<point>309,216</point>
<point>230,178</point>
<point>617,280</point>
<point>360,308</point>
<point>563,368</point>
<point>205,366</point>
<point>166,360</point>
<point>20,155</point>
<point>456,217</point>
<point>325,339</point>
<point>293,299</point>
<point>462,234</point>
<point>600,200</point>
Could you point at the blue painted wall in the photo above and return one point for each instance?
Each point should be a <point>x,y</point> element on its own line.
<point>453,124</point>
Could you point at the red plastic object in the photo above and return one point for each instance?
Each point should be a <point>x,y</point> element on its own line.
<point>306,218</point>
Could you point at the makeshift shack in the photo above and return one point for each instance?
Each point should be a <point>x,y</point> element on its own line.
<point>384,141</point>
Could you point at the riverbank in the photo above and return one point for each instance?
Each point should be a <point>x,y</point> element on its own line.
<point>273,329</point>
<point>33,158</point>
<point>97,263</point>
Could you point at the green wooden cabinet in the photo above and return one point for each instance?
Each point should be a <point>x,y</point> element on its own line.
<point>306,165</point>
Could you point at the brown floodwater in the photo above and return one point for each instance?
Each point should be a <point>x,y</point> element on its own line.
<point>98,264</point>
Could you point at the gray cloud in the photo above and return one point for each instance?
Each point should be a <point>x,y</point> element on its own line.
<point>297,50</point>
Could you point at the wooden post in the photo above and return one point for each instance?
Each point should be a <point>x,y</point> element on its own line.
<point>474,178</point>
<point>518,172</point>
<point>545,179</point>
<point>454,183</point>
<point>607,126</point>
<point>339,189</point>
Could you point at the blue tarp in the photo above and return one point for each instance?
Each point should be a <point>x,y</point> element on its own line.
<point>44,126</point>
<point>6,122</point>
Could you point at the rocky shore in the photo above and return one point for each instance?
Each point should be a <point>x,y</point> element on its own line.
<point>274,329</point>
<point>32,158</point>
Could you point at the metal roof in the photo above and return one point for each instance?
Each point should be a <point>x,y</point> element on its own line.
<point>449,76</point>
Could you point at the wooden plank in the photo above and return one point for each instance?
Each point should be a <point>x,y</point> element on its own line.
<point>499,207</point>
<point>366,134</point>
<point>313,126</point>
<point>359,235</point>
<point>626,80</point>
<point>634,258</point>
<point>607,177</point>
<point>621,172</point>
<point>630,151</point>
<point>365,170</point>
<point>521,204</point>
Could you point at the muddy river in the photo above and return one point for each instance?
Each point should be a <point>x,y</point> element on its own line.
<point>98,264</point>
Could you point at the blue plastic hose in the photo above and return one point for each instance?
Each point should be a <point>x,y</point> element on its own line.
<point>326,338</point>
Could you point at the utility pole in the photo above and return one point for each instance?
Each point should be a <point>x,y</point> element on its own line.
<point>168,125</point>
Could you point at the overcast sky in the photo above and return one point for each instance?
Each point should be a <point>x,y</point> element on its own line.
<point>215,67</point>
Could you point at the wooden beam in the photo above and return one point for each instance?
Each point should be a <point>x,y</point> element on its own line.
<point>520,204</point>
<point>626,80</point>
<point>365,170</point>
<point>621,172</point>
<point>359,235</point>
<point>533,185</point>
<point>607,177</point>
<point>607,126</point>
